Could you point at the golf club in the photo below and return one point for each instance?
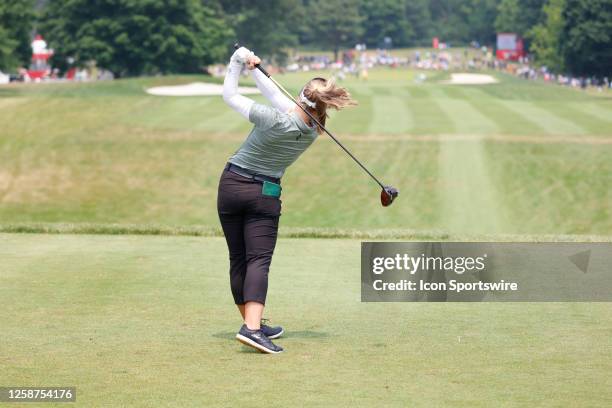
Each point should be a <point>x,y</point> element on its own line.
<point>388,193</point>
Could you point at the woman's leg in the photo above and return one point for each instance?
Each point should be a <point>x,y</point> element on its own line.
<point>260,234</point>
<point>230,208</point>
<point>259,240</point>
<point>234,236</point>
<point>253,313</point>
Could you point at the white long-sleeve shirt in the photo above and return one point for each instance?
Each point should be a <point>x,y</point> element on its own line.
<point>271,91</point>
<point>241,103</point>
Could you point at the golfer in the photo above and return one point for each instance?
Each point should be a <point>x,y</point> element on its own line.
<point>248,199</point>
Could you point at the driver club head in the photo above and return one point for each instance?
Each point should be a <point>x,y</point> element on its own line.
<point>387,195</point>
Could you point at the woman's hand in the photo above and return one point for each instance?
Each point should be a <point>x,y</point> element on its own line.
<point>252,61</point>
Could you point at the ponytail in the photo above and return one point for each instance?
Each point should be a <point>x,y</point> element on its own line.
<point>325,94</point>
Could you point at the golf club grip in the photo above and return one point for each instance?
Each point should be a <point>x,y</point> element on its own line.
<point>258,66</point>
<point>263,71</point>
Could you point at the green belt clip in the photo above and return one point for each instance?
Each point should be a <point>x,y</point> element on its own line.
<point>271,189</point>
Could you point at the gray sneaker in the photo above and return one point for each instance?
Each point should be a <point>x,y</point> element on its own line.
<point>258,340</point>
<point>269,331</point>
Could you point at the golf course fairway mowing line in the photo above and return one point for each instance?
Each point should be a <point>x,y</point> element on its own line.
<point>596,110</point>
<point>430,118</point>
<point>150,320</point>
<point>402,166</point>
<point>470,204</point>
<point>587,120</point>
<point>390,115</point>
<point>507,120</point>
<point>551,123</point>
<point>465,117</point>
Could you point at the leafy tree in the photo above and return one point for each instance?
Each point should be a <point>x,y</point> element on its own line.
<point>461,21</point>
<point>386,18</point>
<point>16,19</point>
<point>509,17</point>
<point>335,23</point>
<point>269,27</point>
<point>133,37</point>
<point>418,18</point>
<point>545,36</point>
<point>479,16</point>
<point>586,37</point>
<point>7,50</point>
<point>518,16</point>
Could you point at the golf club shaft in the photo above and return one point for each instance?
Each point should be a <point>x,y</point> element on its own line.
<point>320,125</point>
<point>279,86</point>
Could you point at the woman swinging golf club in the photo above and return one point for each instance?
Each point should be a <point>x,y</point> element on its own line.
<point>248,199</point>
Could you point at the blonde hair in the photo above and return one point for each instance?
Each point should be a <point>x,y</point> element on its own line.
<point>325,94</point>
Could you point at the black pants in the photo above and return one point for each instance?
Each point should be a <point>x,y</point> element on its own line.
<point>250,224</point>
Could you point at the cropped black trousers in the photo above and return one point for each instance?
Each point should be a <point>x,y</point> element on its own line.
<point>250,223</point>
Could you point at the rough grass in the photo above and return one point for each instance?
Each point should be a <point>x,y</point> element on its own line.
<point>287,232</point>
<point>149,321</point>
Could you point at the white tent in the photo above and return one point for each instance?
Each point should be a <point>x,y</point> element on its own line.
<point>4,78</point>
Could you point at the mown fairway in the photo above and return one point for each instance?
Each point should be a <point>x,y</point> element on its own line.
<point>148,321</point>
<point>515,157</point>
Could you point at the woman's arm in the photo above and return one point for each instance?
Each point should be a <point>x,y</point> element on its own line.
<point>237,102</point>
<point>271,92</point>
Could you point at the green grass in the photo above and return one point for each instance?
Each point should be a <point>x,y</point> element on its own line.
<point>148,321</point>
<point>290,232</point>
<point>513,158</point>
<point>141,315</point>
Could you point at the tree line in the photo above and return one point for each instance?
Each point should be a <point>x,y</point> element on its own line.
<point>137,37</point>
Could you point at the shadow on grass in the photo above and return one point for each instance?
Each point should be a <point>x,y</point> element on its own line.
<point>302,334</point>
<point>305,334</point>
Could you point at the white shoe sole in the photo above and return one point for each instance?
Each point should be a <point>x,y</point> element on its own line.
<point>276,336</point>
<point>248,342</point>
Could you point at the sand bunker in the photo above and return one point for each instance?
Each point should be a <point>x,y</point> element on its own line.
<point>471,79</point>
<point>196,89</point>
